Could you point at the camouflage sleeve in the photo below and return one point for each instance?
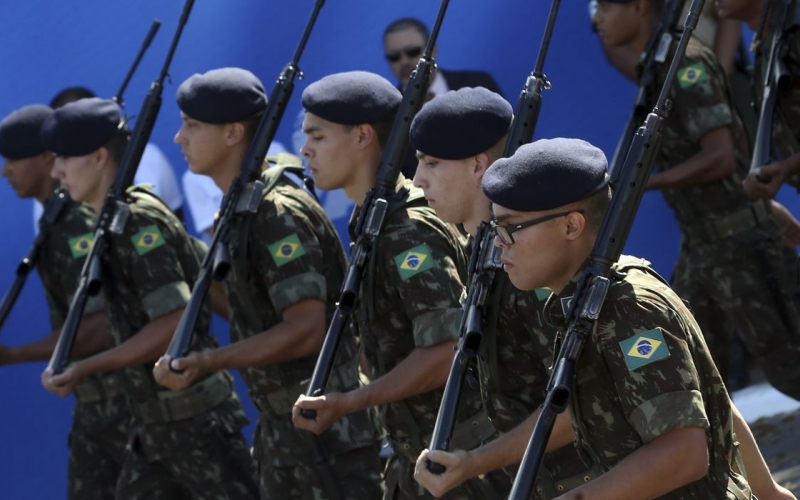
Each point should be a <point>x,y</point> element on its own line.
<point>652,369</point>
<point>288,254</point>
<point>419,264</point>
<point>700,96</point>
<point>154,268</point>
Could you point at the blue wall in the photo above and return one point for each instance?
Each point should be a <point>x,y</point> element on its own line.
<point>47,45</point>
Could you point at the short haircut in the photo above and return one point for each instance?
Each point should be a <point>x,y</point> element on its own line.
<point>405,23</point>
<point>70,94</point>
<point>595,207</point>
<point>117,144</point>
<point>382,130</point>
<point>496,151</point>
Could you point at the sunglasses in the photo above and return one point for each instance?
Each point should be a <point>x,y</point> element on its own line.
<point>505,232</point>
<point>410,52</point>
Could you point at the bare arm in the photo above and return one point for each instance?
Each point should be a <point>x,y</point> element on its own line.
<point>714,161</point>
<point>680,456</point>
<point>758,474</point>
<point>219,299</point>
<point>91,338</point>
<point>726,43</point>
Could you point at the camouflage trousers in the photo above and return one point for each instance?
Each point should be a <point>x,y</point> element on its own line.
<point>287,470</point>
<point>205,457</point>
<point>97,448</point>
<point>400,484</point>
<point>742,285</point>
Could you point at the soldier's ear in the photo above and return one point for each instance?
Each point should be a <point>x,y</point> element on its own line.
<point>234,133</point>
<point>574,225</point>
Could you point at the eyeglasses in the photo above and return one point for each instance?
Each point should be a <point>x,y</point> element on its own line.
<point>505,232</point>
<point>410,52</point>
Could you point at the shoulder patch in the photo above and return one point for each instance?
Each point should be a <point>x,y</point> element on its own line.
<point>80,245</point>
<point>694,73</point>
<point>147,239</point>
<point>413,261</point>
<point>286,250</point>
<point>644,348</point>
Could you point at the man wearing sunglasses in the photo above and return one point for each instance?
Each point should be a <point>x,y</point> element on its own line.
<point>403,43</point>
<point>457,137</point>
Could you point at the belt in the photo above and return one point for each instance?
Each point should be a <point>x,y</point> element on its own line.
<point>468,434</point>
<point>549,487</point>
<point>99,388</point>
<point>172,406</point>
<point>732,224</point>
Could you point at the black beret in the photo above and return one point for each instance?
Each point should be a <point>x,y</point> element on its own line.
<point>352,98</point>
<point>20,132</point>
<point>223,95</point>
<point>80,127</point>
<point>546,174</point>
<point>461,123</point>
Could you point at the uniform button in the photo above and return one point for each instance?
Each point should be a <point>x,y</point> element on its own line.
<point>586,479</point>
<point>560,487</point>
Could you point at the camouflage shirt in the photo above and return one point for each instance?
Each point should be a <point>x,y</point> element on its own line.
<point>701,102</point>
<point>148,271</point>
<point>645,371</point>
<point>514,355</point>
<point>61,259</point>
<point>410,298</point>
<point>786,122</point>
<point>284,254</point>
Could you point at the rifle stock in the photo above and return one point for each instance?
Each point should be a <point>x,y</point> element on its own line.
<point>243,196</point>
<point>595,279</point>
<point>485,260</point>
<point>115,211</point>
<point>776,77</point>
<point>373,210</point>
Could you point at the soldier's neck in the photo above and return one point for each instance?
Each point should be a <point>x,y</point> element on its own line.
<point>224,177</point>
<point>481,212</point>
<point>46,189</point>
<point>752,16</point>
<point>363,178</point>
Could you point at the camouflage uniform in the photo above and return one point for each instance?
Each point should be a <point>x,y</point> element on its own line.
<point>100,419</point>
<point>514,357</point>
<point>646,371</point>
<point>409,299</point>
<point>181,445</point>
<point>730,265</point>
<point>284,254</point>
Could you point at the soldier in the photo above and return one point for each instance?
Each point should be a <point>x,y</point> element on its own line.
<point>181,445</point>
<point>457,137</point>
<point>730,265</point>
<point>407,311</point>
<point>99,421</point>
<point>648,406</point>
<point>762,16</point>
<point>287,265</point>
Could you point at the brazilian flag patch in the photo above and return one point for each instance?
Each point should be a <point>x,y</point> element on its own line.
<point>414,261</point>
<point>644,348</point>
<point>147,239</point>
<point>80,245</point>
<point>286,250</point>
<point>694,73</point>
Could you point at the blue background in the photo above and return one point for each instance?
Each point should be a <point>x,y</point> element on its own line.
<point>47,45</point>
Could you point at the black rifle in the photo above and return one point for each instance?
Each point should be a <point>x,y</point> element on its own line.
<point>485,258</point>
<point>594,281</point>
<point>115,211</point>
<point>775,78</point>
<point>53,210</point>
<point>373,212</point>
<point>243,197</point>
<point>651,62</point>
<point>55,205</point>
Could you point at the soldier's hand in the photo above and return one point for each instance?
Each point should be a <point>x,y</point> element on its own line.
<point>790,227</point>
<point>178,374</point>
<point>329,408</point>
<point>64,383</point>
<point>456,467</point>
<point>757,190</point>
